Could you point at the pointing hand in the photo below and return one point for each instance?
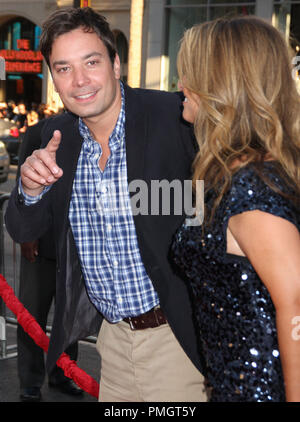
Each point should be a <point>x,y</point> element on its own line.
<point>40,168</point>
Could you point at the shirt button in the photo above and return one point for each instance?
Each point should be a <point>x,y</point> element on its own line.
<point>104,189</point>
<point>109,227</point>
<point>115,263</point>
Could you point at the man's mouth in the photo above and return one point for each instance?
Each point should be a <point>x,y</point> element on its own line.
<point>85,96</point>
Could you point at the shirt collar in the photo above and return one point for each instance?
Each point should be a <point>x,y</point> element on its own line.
<point>117,134</point>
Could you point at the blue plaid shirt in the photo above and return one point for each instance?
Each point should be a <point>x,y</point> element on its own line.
<point>103,228</point>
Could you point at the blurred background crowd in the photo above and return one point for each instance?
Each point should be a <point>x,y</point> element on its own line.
<point>23,115</point>
<point>14,121</point>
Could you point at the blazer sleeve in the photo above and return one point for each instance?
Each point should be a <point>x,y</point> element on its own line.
<point>28,223</point>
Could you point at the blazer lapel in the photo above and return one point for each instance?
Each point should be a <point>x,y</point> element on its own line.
<point>69,149</point>
<point>67,158</point>
<point>135,134</point>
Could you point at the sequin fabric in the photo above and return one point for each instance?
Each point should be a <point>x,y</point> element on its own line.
<point>235,316</point>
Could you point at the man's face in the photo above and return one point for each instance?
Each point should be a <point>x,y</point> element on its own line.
<point>83,74</point>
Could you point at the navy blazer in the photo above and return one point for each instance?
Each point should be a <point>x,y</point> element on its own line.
<point>159,146</point>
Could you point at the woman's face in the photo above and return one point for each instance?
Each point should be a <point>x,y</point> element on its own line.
<point>190,106</point>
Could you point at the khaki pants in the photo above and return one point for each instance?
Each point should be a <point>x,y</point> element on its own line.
<point>146,366</point>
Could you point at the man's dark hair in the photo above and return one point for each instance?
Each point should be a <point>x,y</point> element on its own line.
<point>65,20</point>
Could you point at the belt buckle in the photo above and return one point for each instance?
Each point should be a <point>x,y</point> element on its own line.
<point>131,324</point>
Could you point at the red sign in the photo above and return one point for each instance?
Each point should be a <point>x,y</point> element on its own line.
<point>30,55</point>
<point>20,86</point>
<point>23,60</point>
<point>23,44</point>
<point>23,67</point>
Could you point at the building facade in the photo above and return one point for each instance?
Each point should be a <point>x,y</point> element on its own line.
<point>167,20</point>
<point>162,25</point>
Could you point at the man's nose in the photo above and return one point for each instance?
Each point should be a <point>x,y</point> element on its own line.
<point>80,77</point>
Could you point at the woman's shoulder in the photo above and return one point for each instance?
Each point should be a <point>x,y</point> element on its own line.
<point>263,175</point>
<point>262,187</point>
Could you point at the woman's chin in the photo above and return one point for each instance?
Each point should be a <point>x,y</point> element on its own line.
<point>188,118</point>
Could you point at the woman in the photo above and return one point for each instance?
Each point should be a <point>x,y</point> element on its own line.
<point>243,263</point>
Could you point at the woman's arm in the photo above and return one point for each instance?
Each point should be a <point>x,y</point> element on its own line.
<point>272,244</point>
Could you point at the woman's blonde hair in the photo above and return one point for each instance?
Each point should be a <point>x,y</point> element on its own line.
<point>239,70</point>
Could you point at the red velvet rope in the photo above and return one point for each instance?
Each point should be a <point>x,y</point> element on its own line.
<point>33,329</point>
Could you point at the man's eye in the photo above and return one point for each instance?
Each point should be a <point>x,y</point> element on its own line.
<point>92,62</point>
<point>62,69</point>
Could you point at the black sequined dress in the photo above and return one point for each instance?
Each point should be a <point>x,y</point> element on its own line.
<point>235,315</point>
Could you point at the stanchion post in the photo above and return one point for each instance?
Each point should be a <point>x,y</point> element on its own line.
<point>3,344</point>
<point>2,338</point>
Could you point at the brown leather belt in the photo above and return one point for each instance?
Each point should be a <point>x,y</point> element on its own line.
<point>151,319</point>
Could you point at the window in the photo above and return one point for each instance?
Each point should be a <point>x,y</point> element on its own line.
<point>182,14</point>
<point>16,29</point>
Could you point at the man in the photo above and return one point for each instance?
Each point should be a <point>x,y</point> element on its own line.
<point>21,118</point>
<point>79,182</point>
<point>36,292</point>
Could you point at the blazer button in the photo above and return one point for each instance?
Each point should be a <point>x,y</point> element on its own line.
<point>20,199</point>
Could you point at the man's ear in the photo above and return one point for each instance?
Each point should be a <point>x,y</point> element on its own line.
<point>117,67</point>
